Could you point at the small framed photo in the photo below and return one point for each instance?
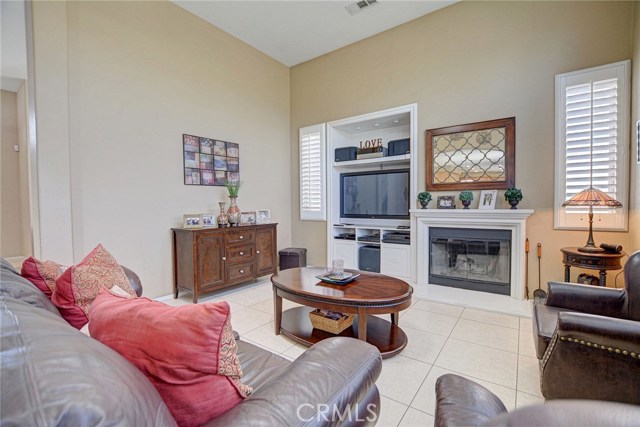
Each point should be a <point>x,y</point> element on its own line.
<point>488,199</point>
<point>208,220</point>
<point>263,216</point>
<point>247,217</point>
<point>446,202</point>
<point>191,221</point>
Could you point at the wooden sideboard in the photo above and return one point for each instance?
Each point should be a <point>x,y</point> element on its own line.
<point>210,259</point>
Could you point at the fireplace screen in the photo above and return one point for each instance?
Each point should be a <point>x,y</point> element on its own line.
<point>471,259</point>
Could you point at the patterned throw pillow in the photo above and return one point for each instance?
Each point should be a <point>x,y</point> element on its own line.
<point>187,352</point>
<point>80,284</point>
<point>43,274</point>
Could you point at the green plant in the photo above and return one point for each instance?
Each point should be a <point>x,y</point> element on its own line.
<point>424,197</point>
<point>513,193</point>
<point>233,187</point>
<point>465,196</point>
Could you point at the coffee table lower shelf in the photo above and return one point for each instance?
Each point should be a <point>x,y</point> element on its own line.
<point>387,337</point>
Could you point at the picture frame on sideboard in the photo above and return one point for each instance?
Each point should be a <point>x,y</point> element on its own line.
<point>263,216</point>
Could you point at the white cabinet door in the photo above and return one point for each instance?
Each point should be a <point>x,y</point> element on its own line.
<point>345,251</point>
<point>395,260</point>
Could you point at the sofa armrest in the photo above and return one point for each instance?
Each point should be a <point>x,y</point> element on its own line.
<point>605,332</point>
<point>462,402</point>
<point>134,280</point>
<point>588,299</point>
<point>322,385</point>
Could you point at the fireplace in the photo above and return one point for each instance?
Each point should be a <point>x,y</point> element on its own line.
<point>461,260</point>
<point>474,259</point>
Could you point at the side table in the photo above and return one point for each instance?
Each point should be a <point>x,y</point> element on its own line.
<point>572,257</point>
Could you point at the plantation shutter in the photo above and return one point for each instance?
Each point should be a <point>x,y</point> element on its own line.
<point>591,115</point>
<point>312,173</point>
<point>592,143</point>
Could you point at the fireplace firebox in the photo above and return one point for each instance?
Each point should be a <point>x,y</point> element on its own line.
<point>469,258</point>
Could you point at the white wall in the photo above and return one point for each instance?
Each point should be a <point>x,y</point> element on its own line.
<point>117,84</point>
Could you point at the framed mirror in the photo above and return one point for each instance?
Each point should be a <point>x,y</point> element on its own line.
<point>475,156</point>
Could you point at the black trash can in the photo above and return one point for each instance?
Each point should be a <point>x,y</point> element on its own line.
<point>292,258</point>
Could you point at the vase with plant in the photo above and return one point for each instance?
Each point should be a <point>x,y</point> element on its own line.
<point>513,196</point>
<point>424,198</point>
<point>233,214</point>
<point>466,197</point>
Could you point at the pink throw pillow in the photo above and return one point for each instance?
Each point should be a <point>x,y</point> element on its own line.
<point>80,284</point>
<point>43,274</point>
<point>187,352</point>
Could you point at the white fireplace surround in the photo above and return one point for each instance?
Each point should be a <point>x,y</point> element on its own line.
<point>514,220</point>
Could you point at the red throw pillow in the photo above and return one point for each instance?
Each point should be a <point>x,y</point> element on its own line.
<point>43,274</point>
<point>79,285</point>
<point>187,352</point>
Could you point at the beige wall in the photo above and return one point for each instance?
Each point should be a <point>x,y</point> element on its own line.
<point>469,62</point>
<point>11,219</point>
<point>139,75</point>
<point>634,223</point>
<point>23,170</point>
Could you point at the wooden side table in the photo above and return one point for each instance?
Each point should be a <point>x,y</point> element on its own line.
<point>572,257</point>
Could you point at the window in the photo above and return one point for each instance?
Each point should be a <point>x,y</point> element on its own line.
<point>312,173</point>
<point>592,143</point>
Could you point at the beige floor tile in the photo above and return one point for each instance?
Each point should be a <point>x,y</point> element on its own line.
<point>486,334</point>
<point>401,378</point>
<point>526,346</point>
<point>525,324</point>
<point>415,418</point>
<point>425,399</point>
<point>391,412</point>
<point>438,307</point>
<point>526,399</point>
<point>529,375</point>
<point>247,319</point>
<point>266,337</point>
<point>489,364</point>
<point>250,297</point>
<point>492,318</point>
<point>294,352</point>
<point>266,306</point>
<point>428,322</point>
<point>423,346</point>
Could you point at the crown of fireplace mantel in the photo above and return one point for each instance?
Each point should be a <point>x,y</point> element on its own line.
<point>499,219</point>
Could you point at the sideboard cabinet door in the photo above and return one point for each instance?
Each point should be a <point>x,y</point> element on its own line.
<point>266,242</point>
<point>210,256</point>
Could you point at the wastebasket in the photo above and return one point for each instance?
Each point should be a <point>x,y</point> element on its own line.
<point>292,258</point>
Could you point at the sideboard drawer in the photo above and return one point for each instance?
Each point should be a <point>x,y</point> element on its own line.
<point>240,236</point>
<point>238,273</point>
<point>240,253</point>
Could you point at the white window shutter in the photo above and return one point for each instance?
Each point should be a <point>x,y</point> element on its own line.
<point>592,121</point>
<point>313,173</point>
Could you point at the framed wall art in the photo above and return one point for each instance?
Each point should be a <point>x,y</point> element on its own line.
<point>488,199</point>
<point>446,202</point>
<point>210,161</point>
<point>475,156</point>
<point>263,216</point>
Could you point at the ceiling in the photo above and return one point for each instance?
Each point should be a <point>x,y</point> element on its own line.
<point>295,31</point>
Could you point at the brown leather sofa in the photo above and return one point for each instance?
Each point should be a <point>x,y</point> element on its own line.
<point>588,340</point>
<point>462,402</point>
<point>54,375</point>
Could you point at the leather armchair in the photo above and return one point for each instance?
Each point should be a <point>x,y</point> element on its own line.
<point>461,402</point>
<point>588,340</point>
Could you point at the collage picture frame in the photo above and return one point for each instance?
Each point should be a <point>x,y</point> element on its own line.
<point>209,161</point>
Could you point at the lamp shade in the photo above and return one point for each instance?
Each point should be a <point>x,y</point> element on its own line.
<point>592,197</point>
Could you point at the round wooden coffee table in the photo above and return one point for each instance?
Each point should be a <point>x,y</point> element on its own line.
<point>369,294</point>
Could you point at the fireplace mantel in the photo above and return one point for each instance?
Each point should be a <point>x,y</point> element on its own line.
<point>498,219</point>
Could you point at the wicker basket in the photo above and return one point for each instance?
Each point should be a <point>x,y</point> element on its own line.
<point>329,325</point>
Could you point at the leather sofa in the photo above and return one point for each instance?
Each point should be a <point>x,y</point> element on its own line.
<point>462,402</point>
<point>52,374</point>
<point>588,340</point>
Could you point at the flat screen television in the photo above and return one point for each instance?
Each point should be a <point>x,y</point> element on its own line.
<point>375,194</point>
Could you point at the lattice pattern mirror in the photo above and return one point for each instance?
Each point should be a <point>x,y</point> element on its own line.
<point>475,156</point>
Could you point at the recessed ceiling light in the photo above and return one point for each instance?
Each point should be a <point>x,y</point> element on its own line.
<point>360,5</point>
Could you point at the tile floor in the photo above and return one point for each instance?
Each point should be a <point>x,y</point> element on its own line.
<point>495,350</point>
